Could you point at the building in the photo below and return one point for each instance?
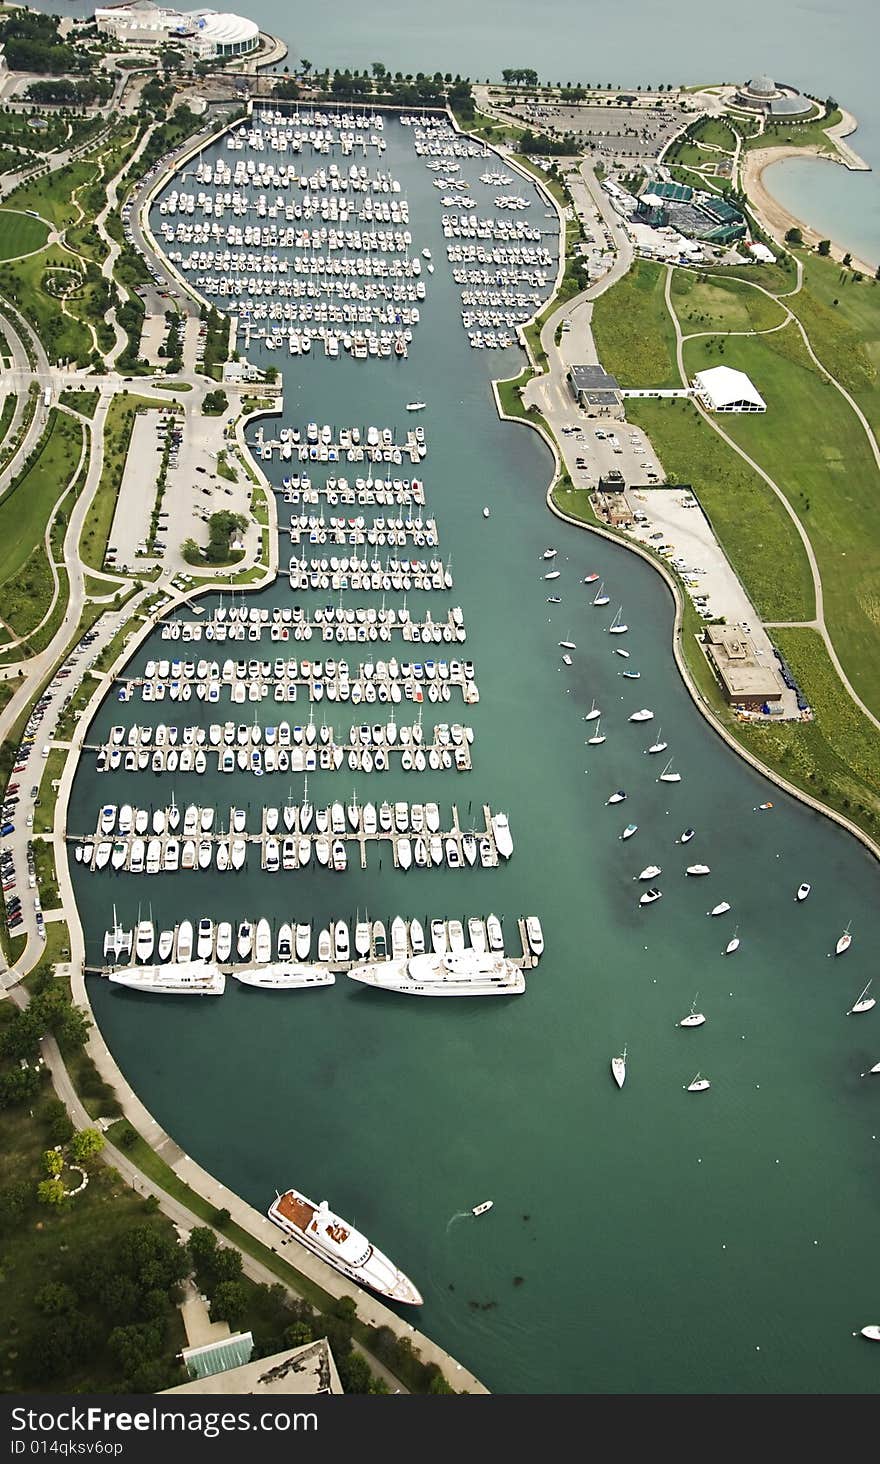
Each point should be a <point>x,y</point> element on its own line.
<point>225,1367</point>
<point>745,681</point>
<point>761,94</point>
<point>595,391</point>
<point>721,389</point>
<point>206,34</point>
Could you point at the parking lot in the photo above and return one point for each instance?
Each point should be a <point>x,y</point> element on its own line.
<point>593,449</point>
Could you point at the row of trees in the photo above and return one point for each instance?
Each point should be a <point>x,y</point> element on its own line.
<point>62,92</point>
<point>31,42</point>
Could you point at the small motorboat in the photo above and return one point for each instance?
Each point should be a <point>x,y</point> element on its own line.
<point>650,871</point>
<point>650,896</point>
<point>720,909</point>
<point>802,891</point>
<point>568,645</point>
<point>481,1209</point>
<point>617,797</point>
<point>485,513</point>
<point>553,575</point>
<point>762,807</point>
<point>686,837</point>
<point>871,1334</point>
<point>643,716</point>
<point>554,599</point>
<point>618,1069</point>
<point>549,554</point>
<point>629,831</point>
<point>699,1085</point>
<point>590,579</point>
<point>697,869</point>
<point>843,943</point>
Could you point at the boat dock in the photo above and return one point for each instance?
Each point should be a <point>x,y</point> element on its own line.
<point>255,680</point>
<point>331,624</point>
<point>288,848</point>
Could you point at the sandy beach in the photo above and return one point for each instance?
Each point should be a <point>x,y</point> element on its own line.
<point>775,218</point>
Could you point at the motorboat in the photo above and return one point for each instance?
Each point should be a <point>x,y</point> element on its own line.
<point>303,941</point>
<point>337,1242</point>
<point>144,940</point>
<point>720,909</point>
<point>871,1333</point>
<point>686,837</point>
<point>617,797</point>
<point>651,871</point>
<point>465,973</point>
<point>629,831</point>
<point>534,935</point>
<point>698,869</point>
<point>642,716</point>
<point>481,1209</point>
<point>282,976</point>
<point>244,940</point>
<point>649,897</point>
<point>263,942</point>
<point>618,1069</point>
<point>180,978</point>
<point>802,891</point>
<point>184,942</point>
<point>494,933</point>
<point>503,837</point>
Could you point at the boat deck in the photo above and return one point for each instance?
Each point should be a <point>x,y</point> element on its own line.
<point>295,1210</point>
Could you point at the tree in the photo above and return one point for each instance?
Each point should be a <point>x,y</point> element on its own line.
<point>229,1303</point>
<point>52,1162</point>
<point>51,1191</point>
<point>55,1299</point>
<point>847,259</point>
<point>824,247</point>
<point>794,236</point>
<point>86,1145</point>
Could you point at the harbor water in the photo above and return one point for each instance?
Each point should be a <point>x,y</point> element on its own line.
<point>644,1240</point>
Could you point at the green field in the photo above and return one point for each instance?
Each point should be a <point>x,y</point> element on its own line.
<point>814,449</point>
<point>633,332</point>
<point>797,134</point>
<point>842,317</point>
<point>25,509</point>
<point>756,532</point>
<point>715,131</point>
<point>20,234</point>
<point>710,302</point>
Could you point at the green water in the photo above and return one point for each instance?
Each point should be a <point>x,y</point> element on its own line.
<point>647,1240</point>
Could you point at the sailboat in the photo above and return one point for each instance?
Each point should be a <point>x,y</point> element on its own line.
<point>659,745</point>
<point>617,627</point>
<point>597,737</point>
<point>698,1085</point>
<point>618,1069</point>
<point>667,777</point>
<point>844,942</point>
<point>600,597</point>
<point>733,943</point>
<point>593,713</point>
<point>875,1070</point>
<point>693,1018</point>
<point>864,1003</point>
<point>568,645</point>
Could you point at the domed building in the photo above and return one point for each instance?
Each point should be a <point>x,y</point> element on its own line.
<point>762,94</point>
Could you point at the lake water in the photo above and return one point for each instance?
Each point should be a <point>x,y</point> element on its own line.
<point>648,1240</point>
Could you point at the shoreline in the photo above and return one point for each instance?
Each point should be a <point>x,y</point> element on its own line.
<point>773,216</point>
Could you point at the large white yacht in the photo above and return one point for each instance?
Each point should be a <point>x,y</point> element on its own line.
<point>341,1246</point>
<point>465,974</point>
<point>180,978</point>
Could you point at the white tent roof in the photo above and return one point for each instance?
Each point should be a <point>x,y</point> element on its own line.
<point>723,386</point>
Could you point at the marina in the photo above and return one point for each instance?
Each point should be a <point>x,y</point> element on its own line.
<point>776,1025</point>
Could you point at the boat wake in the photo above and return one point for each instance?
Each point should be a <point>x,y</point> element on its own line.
<point>459,1215</point>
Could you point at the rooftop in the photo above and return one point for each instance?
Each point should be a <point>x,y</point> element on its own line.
<point>723,387</point>
<point>591,379</point>
<point>308,1369</point>
<point>738,665</point>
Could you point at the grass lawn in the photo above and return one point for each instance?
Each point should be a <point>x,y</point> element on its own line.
<point>81,401</point>
<point>812,446</point>
<point>51,195</point>
<point>711,302</point>
<point>793,134</point>
<point>634,335</point>
<point>20,234</point>
<point>44,812</point>
<point>64,337</point>
<point>837,756</point>
<point>25,510</point>
<point>716,131</point>
<point>754,529</point>
<point>509,393</point>
<point>842,318</point>
<point>95,585</point>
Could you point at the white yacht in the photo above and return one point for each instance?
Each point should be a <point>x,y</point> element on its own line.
<point>244,940</point>
<point>494,934</point>
<point>463,974</point>
<point>263,942</point>
<point>645,715</point>
<point>284,976</point>
<point>802,891</point>
<point>184,942</point>
<point>303,941</point>
<point>650,896</point>
<point>503,838</point>
<point>720,909</point>
<point>535,935</point>
<point>179,978</point>
<point>337,1242</point>
<point>650,871</point>
<point>144,940</point>
<point>698,869</point>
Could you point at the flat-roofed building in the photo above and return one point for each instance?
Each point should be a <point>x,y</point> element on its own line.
<point>223,1367</point>
<point>744,679</point>
<point>596,392</point>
